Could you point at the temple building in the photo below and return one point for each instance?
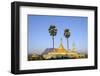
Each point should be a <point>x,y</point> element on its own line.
<point>60,52</point>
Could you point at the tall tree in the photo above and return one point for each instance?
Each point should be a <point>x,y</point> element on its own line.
<point>53,31</point>
<point>67,35</point>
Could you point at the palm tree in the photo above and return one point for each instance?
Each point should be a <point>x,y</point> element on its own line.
<point>67,35</point>
<point>53,31</point>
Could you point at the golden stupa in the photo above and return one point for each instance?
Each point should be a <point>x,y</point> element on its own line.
<point>61,51</point>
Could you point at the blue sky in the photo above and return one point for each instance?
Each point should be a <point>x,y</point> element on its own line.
<point>39,38</point>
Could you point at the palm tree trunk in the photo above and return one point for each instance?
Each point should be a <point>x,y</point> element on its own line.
<point>53,41</point>
<point>67,44</point>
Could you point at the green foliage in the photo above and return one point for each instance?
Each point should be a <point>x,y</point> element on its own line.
<point>67,33</point>
<point>52,30</point>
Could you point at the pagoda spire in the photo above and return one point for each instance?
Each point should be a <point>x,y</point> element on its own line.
<point>61,46</point>
<point>73,47</point>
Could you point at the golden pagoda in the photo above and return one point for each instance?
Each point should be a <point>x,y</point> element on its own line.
<point>59,53</point>
<point>56,52</point>
<point>61,49</point>
<point>61,46</point>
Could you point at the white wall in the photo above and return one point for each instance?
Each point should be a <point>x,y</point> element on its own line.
<point>5,41</point>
